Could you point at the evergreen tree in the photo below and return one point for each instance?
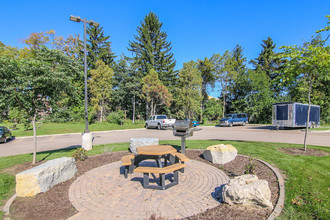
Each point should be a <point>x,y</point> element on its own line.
<point>269,62</point>
<point>208,76</point>
<point>99,47</point>
<point>237,86</point>
<point>126,89</point>
<point>151,50</point>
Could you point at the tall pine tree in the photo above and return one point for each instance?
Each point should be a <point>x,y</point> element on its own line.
<point>99,47</point>
<point>269,63</point>
<point>151,50</point>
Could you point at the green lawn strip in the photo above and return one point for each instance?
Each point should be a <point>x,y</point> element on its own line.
<point>307,177</point>
<point>322,128</point>
<point>64,128</point>
<point>209,124</point>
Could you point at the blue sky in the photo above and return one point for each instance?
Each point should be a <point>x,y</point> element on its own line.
<point>196,29</point>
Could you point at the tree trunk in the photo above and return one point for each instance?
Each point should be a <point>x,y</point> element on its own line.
<point>152,107</point>
<point>147,111</point>
<point>224,101</point>
<point>202,113</point>
<point>133,109</point>
<point>34,139</point>
<point>101,113</point>
<point>308,113</point>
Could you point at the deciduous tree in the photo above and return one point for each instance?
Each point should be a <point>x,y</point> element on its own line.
<point>35,84</point>
<point>155,93</point>
<point>308,63</point>
<point>189,91</point>
<point>100,86</point>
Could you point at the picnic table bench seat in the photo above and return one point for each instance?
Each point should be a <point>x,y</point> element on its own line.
<point>180,156</point>
<point>161,171</point>
<point>127,161</point>
<point>177,158</point>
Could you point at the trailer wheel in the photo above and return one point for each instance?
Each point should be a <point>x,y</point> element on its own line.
<point>313,125</point>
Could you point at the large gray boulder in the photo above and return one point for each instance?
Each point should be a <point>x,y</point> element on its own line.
<point>220,154</point>
<point>247,190</point>
<point>139,142</point>
<point>43,177</point>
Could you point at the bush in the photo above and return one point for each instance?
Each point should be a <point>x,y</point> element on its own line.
<point>27,123</point>
<point>250,167</point>
<point>136,122</point>
<point>80,154</point>
<point>116,117</point>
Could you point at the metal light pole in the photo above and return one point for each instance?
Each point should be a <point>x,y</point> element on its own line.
<point>87,137</point>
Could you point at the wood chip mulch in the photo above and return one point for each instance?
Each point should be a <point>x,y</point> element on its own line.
<point>307,152</point>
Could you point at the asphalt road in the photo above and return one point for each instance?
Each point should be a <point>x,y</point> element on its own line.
<point>24,145</point>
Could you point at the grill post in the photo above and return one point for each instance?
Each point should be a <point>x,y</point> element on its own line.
<point>183,145</point>
<point>184,129</point>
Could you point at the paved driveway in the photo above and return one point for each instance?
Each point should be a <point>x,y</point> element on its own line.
<point>246,133</point>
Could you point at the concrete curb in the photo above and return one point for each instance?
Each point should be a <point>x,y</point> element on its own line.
<point>7,206</point>
<point>280,202</point>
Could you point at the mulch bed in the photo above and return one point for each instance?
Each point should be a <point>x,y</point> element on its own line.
<point>301,151</point>
<point>55,204</point>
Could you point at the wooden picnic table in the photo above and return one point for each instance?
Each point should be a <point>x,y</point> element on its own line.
<point>156,152</point>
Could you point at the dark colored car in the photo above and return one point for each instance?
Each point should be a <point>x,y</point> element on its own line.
<point>234,119</point>
<point>5,134</point>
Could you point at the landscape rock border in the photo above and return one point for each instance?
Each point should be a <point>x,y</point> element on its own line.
<point>280,202</point>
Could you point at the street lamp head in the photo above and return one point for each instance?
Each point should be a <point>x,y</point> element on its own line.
<point>95,24</point>
<point>75,18</point>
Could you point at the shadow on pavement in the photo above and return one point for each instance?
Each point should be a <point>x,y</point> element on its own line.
<point>272,128</point>
<point>264,127</point>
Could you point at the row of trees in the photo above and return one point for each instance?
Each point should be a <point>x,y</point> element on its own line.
<point>47,76</point>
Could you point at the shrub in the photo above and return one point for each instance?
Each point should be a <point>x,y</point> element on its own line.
<point>116,117</point>
<point>250,167</point>
<point>80,154</point>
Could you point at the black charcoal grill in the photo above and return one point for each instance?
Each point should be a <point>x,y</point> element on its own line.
<point>184,129</point>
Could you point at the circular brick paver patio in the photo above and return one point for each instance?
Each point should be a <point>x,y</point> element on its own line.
<point>104,193</point>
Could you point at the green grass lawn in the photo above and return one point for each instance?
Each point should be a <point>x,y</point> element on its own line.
<point>307,177</point>
<point>325,127</point>
<point>63,128</point>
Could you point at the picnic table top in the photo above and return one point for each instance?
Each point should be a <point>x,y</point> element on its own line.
<point>156,150</point>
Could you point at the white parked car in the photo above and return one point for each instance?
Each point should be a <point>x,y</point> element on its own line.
<point>159,121</point>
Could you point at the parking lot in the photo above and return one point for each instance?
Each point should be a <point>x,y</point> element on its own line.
<point>238,133</point>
